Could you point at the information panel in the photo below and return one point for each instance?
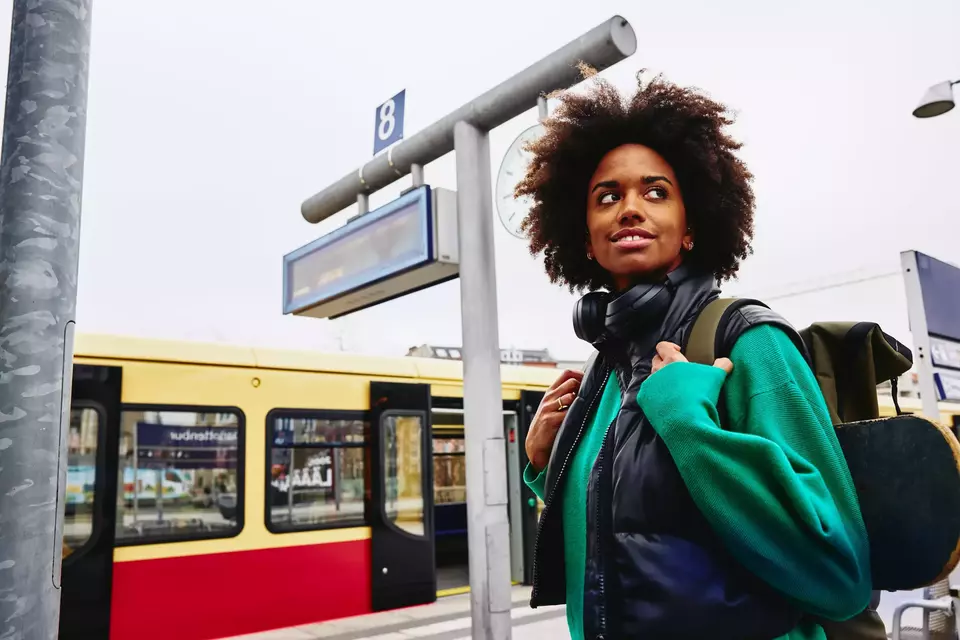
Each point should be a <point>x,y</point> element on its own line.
<point>384,243</point>
<point>940,284</point>
<point>933,303</point>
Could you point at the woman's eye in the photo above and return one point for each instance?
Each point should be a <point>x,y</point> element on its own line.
<point>609,198</point>
<point>657,193</point>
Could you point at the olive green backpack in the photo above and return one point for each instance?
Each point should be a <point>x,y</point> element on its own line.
<point>900,465</point>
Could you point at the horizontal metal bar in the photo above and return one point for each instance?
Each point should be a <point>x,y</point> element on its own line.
<point>601,47</point>
<point>942,604</point>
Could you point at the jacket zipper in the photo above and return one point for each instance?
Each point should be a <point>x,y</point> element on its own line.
<point>600,568</point>
<point>563,468</point>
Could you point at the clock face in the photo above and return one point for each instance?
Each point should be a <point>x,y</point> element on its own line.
<point>511,210</point>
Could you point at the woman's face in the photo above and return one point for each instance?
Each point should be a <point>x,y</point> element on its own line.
<point>635,216</point>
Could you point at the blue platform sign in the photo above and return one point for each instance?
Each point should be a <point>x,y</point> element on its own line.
<point>940,284</point>
<point>933,304</point>
<point>372,248</point>
<point>389,122</point>
<point>948,385</point>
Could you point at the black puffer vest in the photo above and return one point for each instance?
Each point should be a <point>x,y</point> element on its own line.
<point>654,567</point>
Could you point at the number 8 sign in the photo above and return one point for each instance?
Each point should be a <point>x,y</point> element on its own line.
<point>389,122</point>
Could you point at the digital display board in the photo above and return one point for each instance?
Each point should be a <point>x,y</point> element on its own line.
<point>375,246</point>
<point>940,285</point>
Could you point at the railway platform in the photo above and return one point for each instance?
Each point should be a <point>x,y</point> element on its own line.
<point>446,619</point>
<point>449,619</point>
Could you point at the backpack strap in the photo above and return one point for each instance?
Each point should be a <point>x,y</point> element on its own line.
<point>705,339</point>
<point>724,320</point>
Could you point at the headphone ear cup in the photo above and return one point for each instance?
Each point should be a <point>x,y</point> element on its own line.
<point>589,316</point>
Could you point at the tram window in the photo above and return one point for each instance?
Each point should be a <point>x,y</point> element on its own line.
<point>403,486</point>
<point>180,475</point>
<point>316,473</point>
<point>81,478</point>
<point>449,471</point>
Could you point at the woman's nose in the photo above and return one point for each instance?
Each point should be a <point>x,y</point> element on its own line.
<point>631,210</point>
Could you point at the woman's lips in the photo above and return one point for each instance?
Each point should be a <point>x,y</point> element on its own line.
<point>630,242</point>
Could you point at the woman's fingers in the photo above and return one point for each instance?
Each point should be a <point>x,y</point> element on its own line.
<point>656,364</point>
<point>667,352</point>
<point>570,385</point>
<point>667,347</point>
<point>724,363</point>
<point>670,352</point>
<point>566,377</point>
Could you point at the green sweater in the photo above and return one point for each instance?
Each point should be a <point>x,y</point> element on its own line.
<point>773,483</point>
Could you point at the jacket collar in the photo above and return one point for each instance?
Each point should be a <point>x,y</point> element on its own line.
<point>632,352</point>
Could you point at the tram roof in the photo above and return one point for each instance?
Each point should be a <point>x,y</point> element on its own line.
<point>116,347</point>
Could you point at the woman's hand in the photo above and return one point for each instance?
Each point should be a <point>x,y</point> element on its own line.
<point>550,413</point>
<point>667,353</point>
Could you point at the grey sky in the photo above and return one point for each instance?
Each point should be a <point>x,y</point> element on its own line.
<point>211,121</point>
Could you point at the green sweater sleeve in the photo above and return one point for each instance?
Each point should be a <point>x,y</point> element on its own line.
<point>535,480</point>
<point>773,484</point>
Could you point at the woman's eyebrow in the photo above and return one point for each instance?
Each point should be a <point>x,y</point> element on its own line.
<point>652,179</point>
<point>613,184</point>
<point>606,184</point>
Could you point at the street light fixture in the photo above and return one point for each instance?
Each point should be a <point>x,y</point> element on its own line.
<point>937,100</point>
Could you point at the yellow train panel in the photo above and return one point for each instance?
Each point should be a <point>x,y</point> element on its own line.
<point>252,537</point>
<point>151,349</point>
<point>104,347</point>
<point>340,363</point>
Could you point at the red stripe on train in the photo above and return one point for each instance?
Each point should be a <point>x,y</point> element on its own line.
<point>227,594</point>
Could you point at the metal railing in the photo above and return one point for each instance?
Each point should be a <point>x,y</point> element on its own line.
<point>940,605</point>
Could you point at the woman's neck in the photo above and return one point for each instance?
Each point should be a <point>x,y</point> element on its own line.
<point>653,277</point>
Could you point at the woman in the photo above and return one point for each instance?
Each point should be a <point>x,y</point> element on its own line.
<point>681,500</point>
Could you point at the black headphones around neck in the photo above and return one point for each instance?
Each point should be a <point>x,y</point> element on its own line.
<point>601,315</point>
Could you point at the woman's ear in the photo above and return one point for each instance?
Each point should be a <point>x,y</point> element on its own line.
<point>688,240</point>
<point>589,249</point>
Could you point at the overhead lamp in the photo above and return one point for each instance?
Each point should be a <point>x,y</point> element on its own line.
<point>936,101</point>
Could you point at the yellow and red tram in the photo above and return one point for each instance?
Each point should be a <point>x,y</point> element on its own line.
<point>215,491</point>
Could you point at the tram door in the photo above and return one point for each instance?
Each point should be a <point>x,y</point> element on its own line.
<point>449,495</point>
<point>89,523</point>
<point>450,508</point>
<point>400,511</point>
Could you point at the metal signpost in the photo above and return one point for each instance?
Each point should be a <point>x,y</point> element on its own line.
<point>933,305</point>
<point>933,302</point>
<point>465,131</point>
<point>40,186</point>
